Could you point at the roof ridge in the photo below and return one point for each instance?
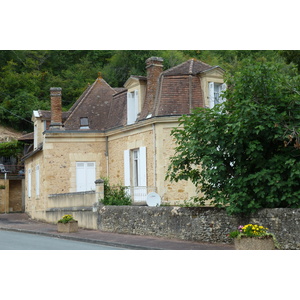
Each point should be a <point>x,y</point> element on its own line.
<point>175,67</point>
<point>191,67</point>
<point>191,62</point>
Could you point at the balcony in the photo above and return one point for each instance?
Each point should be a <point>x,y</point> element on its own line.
<point>11,171</point>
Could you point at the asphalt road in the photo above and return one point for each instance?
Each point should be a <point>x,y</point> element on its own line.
<point>10,240</point>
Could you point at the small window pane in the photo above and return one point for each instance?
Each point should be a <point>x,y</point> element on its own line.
<point>84,121</point>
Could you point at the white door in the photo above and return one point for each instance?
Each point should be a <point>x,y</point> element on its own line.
<point>85,176</point>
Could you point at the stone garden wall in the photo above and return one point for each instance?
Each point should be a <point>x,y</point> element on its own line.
<point>202,224</point>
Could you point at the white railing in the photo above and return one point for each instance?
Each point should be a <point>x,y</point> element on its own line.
<point>139,193</point>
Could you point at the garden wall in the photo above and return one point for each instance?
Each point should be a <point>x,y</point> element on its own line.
<point>202,224</point>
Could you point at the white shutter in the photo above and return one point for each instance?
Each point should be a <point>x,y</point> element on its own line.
<point>80,177</point>
<point>136,104</point>
<point>128,108</point>
<point>37,180</point>
<point>222,89</point>
<point>132,107</point>
<point>85,176</point>
<point>90,172</point>
<point>29,183</point>
<point>211,93</point>
<point>143,167</point>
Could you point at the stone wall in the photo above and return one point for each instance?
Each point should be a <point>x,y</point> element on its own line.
<point>202,224</point>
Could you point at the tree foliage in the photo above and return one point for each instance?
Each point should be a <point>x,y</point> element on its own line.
<point>27,75</point>
<point>245,154</point>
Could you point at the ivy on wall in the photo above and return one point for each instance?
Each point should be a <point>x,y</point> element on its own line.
<point>12,148</point>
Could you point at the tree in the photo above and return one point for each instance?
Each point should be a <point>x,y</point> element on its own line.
<point>245,154</point>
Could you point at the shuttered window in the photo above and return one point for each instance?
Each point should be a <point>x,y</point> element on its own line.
<point>85,176</point>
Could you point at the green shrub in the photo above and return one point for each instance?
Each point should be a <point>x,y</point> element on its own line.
<point>115,195</point>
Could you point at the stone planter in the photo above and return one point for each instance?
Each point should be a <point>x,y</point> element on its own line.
<point>254,243</point>
<point>67,227</point>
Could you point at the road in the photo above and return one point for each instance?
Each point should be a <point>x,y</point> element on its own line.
<point>10,240</point>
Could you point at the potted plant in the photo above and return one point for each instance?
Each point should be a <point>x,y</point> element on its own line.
<point>67,224</point>
<point>253,237</point>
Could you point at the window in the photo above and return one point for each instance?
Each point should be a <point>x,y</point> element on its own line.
<point>84,123</point>
<point>135,173</point>
<point>215,93</point>
<point>85,176</point>
<point>37,180</point>
<point>132,107</point>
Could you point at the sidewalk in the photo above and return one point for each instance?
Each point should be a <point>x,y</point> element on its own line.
<point>22,223</point>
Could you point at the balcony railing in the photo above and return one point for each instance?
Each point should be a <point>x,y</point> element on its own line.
<point>139,193</point>
<point>11,170</point>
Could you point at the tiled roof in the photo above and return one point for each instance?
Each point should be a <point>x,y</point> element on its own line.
<point>178,92</point>
<point>46,114</point>
<point>190,67</point>
<point>93,104</point>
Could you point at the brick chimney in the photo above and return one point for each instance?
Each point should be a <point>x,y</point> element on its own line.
<point>56,111</point>
<point>154,67</point>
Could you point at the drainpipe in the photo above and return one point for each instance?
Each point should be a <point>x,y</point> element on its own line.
<point>154,156</point>
<point>106,155</point>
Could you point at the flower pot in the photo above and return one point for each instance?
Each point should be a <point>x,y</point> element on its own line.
<point>67,227</point>
<point>254,243</point>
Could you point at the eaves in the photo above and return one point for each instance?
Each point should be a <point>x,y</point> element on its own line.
<point>38,149</point>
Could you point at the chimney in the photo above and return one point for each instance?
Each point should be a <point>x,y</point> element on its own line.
<point>56,111</point>
<point>154,67</point>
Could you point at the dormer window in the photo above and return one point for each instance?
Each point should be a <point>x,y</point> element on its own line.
<point>132,107</point>
<point>215,93</point>
<point>84,123</point>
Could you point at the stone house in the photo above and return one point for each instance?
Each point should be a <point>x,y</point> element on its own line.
<point>119,133</point>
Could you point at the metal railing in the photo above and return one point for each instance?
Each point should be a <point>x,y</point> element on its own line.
<point>9,170</point>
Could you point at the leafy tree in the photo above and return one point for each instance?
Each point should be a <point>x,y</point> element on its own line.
<point>291,56</point>
<point>245,154</point>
